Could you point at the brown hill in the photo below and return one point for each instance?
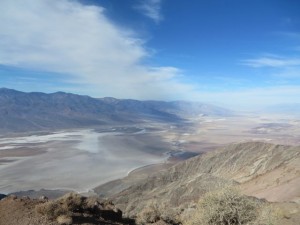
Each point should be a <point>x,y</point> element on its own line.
<point>260,169</point>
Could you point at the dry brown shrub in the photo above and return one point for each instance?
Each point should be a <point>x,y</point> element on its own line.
<point>51,210</point>
<point>71,201</point>
<point>64,220</point>
<point>149,214</point>
<point>65,205</point>
<point>229,207</point>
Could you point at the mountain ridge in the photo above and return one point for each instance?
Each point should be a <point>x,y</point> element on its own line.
<point>238,164</point>
<point>36,111</point>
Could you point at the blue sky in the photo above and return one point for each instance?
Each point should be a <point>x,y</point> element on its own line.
<point>236,53</point>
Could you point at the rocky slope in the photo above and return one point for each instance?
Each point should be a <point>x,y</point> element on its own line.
<point>69,209</point>
<point>260,169</point>
<point>257,169</point>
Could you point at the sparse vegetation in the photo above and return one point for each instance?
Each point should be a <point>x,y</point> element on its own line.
<point>64,209</point>
<point>229,207</point>
<point>150,214</point>
<point>64,220</point>
<point>61,207</point>
<point>161,213</point>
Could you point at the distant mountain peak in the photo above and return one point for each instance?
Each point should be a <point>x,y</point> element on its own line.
<point>7,89</point>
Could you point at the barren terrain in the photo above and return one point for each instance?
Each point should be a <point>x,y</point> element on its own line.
<point>84,159</point>
<point>75,160</point>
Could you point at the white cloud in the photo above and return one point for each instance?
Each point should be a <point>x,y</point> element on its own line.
<point>67,37</point>
<point>151,9</point>
<point>272,62</point>
<point>255,98</point>
<point>86,48</point>
<point>280,67</point>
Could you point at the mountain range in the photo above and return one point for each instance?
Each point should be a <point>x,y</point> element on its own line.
<point>35,111</point>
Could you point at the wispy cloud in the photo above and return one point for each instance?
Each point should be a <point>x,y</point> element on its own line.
<point>272,62</point>
<point>94,56</point>
<point>151,9</point>
<point>278,67</point>
<point>83,45</point>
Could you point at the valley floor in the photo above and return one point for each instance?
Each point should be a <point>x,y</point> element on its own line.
<point>75,160</point>
<point>84,159</point>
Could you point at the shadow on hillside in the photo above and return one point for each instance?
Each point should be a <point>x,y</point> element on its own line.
<point>80,219</point>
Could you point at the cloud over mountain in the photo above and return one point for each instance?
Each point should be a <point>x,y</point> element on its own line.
<point>81,43</point>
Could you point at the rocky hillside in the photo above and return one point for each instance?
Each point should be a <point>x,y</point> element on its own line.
<point>69,209</point>
<point>260,169</point>
<point>266,171</point>
<point>22,112</point>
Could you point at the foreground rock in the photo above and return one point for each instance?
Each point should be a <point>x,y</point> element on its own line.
<point>69,209</point>
<point>2,196</point>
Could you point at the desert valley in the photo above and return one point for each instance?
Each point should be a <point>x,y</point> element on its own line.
<point>149,112</point>
<point>179,157</point>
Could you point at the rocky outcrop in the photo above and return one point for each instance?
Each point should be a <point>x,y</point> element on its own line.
<point>69,209</point>
<point>2,196</point>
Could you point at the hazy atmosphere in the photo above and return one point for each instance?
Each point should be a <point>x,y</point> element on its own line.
<point>208,51</point>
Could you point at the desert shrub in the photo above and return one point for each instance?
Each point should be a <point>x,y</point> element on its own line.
<point>73,205</point>
<point>62,206</point>
<point>170,215</point>
<point>64,220</point>
<point>71,201</point>
<point>225,207</point>
<point>149,214</point>
<point>50,210</point>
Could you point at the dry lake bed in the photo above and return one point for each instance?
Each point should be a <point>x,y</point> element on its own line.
<point>76,160</point>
